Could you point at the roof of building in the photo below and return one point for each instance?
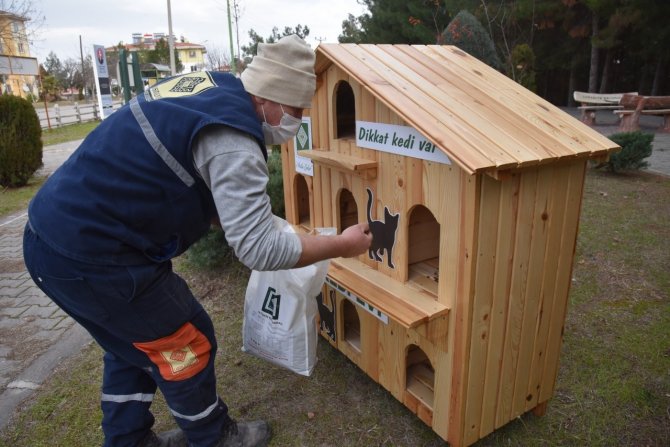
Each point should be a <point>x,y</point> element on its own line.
<point>12,16</point>
<point>148,46</point>
<point>483,120</point>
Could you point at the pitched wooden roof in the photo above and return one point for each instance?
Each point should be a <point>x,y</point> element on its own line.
<point>483,120</point>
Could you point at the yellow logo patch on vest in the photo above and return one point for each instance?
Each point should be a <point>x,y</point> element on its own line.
<point>178,356</point>
<point>185,85</point>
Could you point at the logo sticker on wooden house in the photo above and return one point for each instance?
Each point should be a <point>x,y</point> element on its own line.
<point>303,142</point>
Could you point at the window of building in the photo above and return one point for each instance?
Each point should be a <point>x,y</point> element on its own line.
<point>21,48</point>
<point>191,53</point>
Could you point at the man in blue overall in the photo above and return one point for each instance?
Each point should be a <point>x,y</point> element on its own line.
<point>142,188</point>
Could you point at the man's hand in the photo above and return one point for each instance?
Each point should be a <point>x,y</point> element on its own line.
<point>357,238</point>
<point>352,242</point>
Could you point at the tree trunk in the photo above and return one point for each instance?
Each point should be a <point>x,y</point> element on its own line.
<point>658,77</point>
<point>604,80</point>
<point>572,83</point>
<point>593,73</point>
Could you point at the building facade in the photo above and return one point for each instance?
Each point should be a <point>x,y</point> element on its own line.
<point>191,55</point>
<point>18,70</point>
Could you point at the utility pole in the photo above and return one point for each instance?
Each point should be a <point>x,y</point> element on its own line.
<point>236,9</point>
<point>173,68</point>
<point>83,73</point>
<point>230,37</point>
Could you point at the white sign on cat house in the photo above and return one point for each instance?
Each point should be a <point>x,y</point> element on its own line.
<point>303,142</point>
<point>399,140</point>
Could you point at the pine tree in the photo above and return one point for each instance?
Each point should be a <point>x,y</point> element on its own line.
<point>465,32</point>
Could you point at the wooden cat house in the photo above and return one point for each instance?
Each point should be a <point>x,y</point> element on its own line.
<point>472,186</point>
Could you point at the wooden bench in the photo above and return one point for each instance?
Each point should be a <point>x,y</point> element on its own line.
<point>634,106</point>
<point>592,102</point>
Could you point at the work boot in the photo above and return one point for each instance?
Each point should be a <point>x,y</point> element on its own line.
<point>246,434</point>
<point>171,438</point>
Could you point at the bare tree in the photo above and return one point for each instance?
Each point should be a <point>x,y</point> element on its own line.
<point>217,58</point>
<point>21,9</point>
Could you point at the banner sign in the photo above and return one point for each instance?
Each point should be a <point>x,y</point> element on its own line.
<point>12,65</point>
<point>303,142</point>
<point>102,81</point>
<point>399,140</point>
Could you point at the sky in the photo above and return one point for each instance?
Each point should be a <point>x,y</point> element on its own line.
<point>204,21</point>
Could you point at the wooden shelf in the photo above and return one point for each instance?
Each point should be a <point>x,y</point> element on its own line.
<point>407,305</point>
<point>348,163</point>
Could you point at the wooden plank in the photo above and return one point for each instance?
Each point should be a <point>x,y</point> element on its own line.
<point>507,226</point>
<point>369,345</point>
<point>536,266</point>
<point>598,98</point>
<point>504,137</point>
<point>482,305</point>
<point>343,162</point>
<point>563,279</point>
<point>392,196</point>
<point>556,211</point>
<point>391,358</point>
<point>408,306</point>
<point>415,99</point>
<point>328,199</point>
<point>441,365</point>
<point>468,215</point>
<point>512,345</point>
<point>536,111</point>
<point>287,176</point>
<point>634,101</point>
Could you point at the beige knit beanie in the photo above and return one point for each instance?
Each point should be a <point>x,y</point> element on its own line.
<point>282,72</point>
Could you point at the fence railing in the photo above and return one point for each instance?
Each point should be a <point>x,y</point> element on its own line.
<point>62,115</point>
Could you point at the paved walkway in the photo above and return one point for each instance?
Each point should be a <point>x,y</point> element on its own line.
<point>36,336</point>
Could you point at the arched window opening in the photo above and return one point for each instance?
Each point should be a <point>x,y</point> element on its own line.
<point>302,202</point>
<point>420,376</point>
<point>348,210</point>
<point>345,111</point>
<point>352,325</point>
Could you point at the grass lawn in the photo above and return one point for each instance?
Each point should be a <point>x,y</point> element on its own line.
<point>613,387</point>
<point>70,132</point>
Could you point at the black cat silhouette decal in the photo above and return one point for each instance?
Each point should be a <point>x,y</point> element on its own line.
<point>383,234</point>
<point>327,315</point>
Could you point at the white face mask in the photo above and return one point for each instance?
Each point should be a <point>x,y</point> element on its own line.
<point>287,128</point>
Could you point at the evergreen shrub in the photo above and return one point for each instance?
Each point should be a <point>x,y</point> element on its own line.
<point>465,32</point>
<point>20,141</point>
<point>635,147</point>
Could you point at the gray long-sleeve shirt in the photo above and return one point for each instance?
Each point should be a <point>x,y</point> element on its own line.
<point>233,168</point>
